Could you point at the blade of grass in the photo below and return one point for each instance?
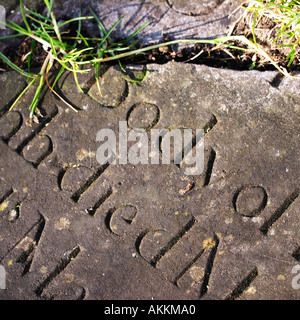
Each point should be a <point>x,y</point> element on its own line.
<point>37,15</point>
<point>49,66</point>
<point>24,17</point>
<point>16,27</point>
<point>100,24</point>
<point>121,66</point>
<point>135,33</point>
<point>62,69</point>
<point>73,20</point>
<point>106,36</point>
<point>32,47</point>
<point>291,56</point>
<point>111,49</point>
<point>78,31</point>
<point>56,28</point>
<point>38,91</point>
<point>49,6</point>
<point>11,36</point>
<point>156,46</point>
<point>50,40</point>
<point>281,32</point>
<point>23,92</point>
<point>14,67</point>
<point>83,39</point>
<point>253,28</point>
<point>97,72</point>
<point>36,96</point>
<point>38,21</point>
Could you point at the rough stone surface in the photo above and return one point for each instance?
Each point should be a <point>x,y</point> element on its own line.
<point>169,18</point>
<point>73,229</point>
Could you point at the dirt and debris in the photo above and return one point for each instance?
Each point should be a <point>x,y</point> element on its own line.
<point>266,35</point>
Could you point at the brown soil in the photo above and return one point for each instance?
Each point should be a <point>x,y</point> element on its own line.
<point>266,32</point>
<point>18,55</point>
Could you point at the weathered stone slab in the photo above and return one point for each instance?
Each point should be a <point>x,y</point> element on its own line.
<point>174,19</point>
<point>72,228</point>
<point>168,19</point>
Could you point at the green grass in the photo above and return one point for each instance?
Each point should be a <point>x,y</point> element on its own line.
<point>73,52</point>
<point>46,31</point>
<point>286,15</point>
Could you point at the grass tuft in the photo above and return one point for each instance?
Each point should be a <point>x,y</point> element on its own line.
<point>286,16</point>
